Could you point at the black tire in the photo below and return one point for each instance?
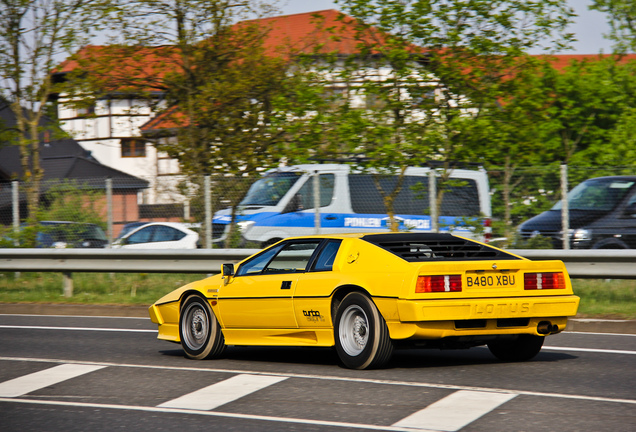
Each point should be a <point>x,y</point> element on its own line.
<point>520,349</point>
<point>199,331</point>
<point>361,335</point>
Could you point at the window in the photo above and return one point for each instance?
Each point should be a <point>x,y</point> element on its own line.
<point>164,233</point>
<point>131,147</point>
<point>141,236</point>
<point>293,258</point>
<point>86,111</point>
<point>258,263</point>
<point>288,257</point>
<point>306,192</point>
<point>327,256</point>
<point>460,196</point>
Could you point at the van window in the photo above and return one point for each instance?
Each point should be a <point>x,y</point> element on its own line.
<point>306,192</point>
<point>461,197</point>
<point>269,190</point>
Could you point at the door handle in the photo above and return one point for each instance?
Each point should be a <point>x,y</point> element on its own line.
<point>330,217</point>
<point>286,285</point>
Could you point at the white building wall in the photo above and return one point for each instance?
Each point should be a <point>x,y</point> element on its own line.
<point>102,132</point>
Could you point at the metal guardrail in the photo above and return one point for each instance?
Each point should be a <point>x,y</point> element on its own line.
<point>589,263</point>
<point>599,264</point>
<point>120,260</point>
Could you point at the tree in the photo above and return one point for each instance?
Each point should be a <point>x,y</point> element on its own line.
<point>430,69</point>
<point>622,20</point>
<point>34,33</point>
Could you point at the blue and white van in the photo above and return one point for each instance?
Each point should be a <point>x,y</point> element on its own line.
<point>282,203</point>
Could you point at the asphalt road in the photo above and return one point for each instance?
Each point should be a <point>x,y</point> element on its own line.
<point>73,373</point>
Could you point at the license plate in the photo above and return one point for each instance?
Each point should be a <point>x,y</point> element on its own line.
<point>490,279</point>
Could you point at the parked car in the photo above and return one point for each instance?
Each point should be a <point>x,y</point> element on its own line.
<point>129,227</point>
<point>159,235</point>
<point>63,234</point>
<point>368,293</point>
<point>602,216</point>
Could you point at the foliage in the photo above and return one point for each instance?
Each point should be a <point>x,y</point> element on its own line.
<point>68,201</point>
<point>622,20</point>
<point>424,73</point>
<point>34,33</point>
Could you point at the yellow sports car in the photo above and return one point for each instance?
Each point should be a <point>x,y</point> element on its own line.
<point>367,294</point>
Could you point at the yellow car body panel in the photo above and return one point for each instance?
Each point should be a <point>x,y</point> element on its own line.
<point>297,308</point>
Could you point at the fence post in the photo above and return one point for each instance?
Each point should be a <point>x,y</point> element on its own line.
<point>317,202</point>
<point>67,282</point>
<point>109,212</point>
<point>15,201</point>
<point>432,200</point>
<point>208,212</point>
<point>565,211</point>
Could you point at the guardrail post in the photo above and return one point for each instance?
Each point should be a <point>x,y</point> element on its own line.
<point>67,282</point>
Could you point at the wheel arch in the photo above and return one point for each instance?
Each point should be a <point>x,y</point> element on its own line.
<point>340,293</point>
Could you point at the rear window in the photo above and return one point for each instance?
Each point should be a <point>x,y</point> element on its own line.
<point>415,247</point>
<point>461,197</point>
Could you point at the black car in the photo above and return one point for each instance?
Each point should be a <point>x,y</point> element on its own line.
<point>602,216</point>
<point>61,234</point>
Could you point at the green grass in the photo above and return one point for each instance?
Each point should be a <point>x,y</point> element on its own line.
<point>91,288</point>
<point>606,298</point>
<point>599,298</point>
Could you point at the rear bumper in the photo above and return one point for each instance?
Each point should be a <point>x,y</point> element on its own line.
<point>433,319</point>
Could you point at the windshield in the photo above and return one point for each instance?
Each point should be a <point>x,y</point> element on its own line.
<point>269,190</point>
<point>597,194</point>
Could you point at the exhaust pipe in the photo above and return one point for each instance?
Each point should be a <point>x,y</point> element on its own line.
<point>545,328</point>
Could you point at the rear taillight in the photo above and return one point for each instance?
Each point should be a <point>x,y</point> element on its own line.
<point>446,283</point>
<point>535,281</point>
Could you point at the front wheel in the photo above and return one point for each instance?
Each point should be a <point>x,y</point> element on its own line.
<point>361,335</point>
<point>523,348</point>
<point>199,330</point>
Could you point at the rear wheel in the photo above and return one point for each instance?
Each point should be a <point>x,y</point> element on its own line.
<point>523,348</point>
<point>199,330</point>
<point>361,335</point>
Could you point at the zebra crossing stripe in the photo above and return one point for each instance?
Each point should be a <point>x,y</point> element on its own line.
<point>226,391</point>
<point>455,411</point>
<point>35,381</point>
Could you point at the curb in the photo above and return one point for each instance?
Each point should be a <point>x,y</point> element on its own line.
<point>584,325</point>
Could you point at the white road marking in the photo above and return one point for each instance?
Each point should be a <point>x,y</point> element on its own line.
<point>455,411</point>
<point>35,381</point>
<point>75,316</point>
<point>593,350</point>
<point>330,378</point>
<point>78,329</point>
<point>223,392</point>
<point>210,414</point>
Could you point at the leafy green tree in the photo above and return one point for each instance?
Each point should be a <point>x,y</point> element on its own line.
<point>429,70</point>
<point>622,20</point>
<point>34,33</point>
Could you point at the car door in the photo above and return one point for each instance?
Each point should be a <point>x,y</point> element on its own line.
<point>312,296</point>
<point>260,294</point>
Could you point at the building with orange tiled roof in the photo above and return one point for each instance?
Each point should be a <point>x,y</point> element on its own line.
<point>114,130</point>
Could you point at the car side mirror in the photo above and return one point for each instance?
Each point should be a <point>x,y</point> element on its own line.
<point>227,270</point>
<point>630,211</point>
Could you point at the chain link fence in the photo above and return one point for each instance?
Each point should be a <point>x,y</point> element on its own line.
<point>252,212</point>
